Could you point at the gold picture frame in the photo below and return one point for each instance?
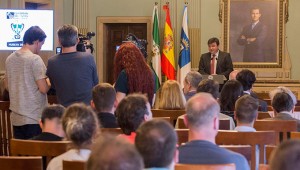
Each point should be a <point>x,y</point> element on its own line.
<point>266,49</point>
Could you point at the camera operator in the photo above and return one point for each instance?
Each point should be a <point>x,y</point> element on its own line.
<point>85,44</point>
<point>72,73</point>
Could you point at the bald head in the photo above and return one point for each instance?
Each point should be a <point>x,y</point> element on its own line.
<point>201,110</point>
<point>232,75</point>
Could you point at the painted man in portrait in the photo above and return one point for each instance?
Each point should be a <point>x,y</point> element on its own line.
<point>253,38</point>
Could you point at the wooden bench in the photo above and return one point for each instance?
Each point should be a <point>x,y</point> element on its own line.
<point>281,127</point>
<point>259,138</point>
<point>173,114</point>
<point>46,149</point>
<point>74,165</point>
<point>204,167</point>
<point>21,162</point>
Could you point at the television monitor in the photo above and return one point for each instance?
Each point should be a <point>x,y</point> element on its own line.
<point>15,22</point>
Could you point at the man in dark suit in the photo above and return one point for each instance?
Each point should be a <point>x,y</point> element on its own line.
<point>253,37</point>
<point>221,61</point>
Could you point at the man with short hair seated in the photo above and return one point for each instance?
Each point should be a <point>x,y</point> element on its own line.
<point>104,102</point>
<point>50,123</point>
<point>190,84</point>
<point>156,141</point>
<point>283,107</point>
<point>203,123</point>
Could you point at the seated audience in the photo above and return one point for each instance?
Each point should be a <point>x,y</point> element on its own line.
<point>190,84</point>
<point>230,92</point>
<point>212,87</point>
<point>203,123</point>
<point>156,141</point>
<point>246,111</point>
<point>171,96</point>
<point>286,156</point>
<point>283,107</point>
<point>81,127</point>
<point>104,102</point>
<point>133,110</point>
<point>113,153</point>
<point>247,79</point>
<point>51,125</point>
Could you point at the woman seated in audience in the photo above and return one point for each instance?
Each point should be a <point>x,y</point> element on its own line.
<point>170,97</point>
<point>81,127</point>
<point>230,92</point>
<point>131,73</point>
<point>133,110</point>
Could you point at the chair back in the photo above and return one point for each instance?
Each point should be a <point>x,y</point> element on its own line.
<point>74,165</point>
<point>182,135</point>
<point>173,114</point>
<point>281,127</point>
<point>114,131</point>
<point>245,150</point>
<point>21,163</point>
<point>46,149</point>
<point>263,115</point>
<point>259,138</point>
<point>269,150</point>
<point>5,128</point>
<point>205,167</point>
<point>295,135</point>
<point>223,125</point>
<point>168,119</point>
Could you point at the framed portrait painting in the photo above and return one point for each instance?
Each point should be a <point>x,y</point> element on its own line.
<point>253,31</point>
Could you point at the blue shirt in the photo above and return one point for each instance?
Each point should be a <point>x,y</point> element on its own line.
<point>205,152</point>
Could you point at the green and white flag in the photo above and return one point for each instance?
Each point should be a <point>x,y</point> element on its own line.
<point>156,59</point>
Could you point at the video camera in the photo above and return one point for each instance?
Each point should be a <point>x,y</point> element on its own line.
<point>85,42</point>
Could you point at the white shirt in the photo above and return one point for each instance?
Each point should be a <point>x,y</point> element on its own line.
<point>216,60</point>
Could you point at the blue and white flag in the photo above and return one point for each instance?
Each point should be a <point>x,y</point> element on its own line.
<point>184,61</point>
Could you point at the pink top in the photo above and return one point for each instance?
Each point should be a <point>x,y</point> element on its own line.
<point>130,137</point>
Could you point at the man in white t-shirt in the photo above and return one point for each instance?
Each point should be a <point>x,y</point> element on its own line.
<point>25,79</point>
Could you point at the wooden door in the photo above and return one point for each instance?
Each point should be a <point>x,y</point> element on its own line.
<point>116,33</point>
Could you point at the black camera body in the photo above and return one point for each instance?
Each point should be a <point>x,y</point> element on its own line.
<point>85,42</point>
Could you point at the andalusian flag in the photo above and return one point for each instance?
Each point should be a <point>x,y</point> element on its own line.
<point>184,61</point>
<point>156,59</point>
<point>167,60</point>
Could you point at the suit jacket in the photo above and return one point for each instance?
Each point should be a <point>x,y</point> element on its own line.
<point>224,64</point>
<point>254,51</point>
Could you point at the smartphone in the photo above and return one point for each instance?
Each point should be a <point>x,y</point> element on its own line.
<point>58,50</point>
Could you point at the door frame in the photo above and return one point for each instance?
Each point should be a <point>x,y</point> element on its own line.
<point>102,40</point>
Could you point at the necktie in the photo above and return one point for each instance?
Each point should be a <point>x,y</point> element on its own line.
<point>212,64</point>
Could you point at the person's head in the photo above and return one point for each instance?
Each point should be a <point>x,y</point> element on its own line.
<point>232,75</point>
<point>283,89</point>
<point>286,156</point>
<point>80,125</point>
<point>133,110</point>
<point>34,36</point>
<point>213,45</point>
<point>156,141</point>
<point>230,92</point>
<point>191,81</point>
<point>209,86</point>
<point>202,114</point>
<point>51,119</point>
<point>281,102</point>
<point>171,96</point>
<point>246,78</point>
<point>255,14</point>
<point>104,97</point>
<point>139,75</point>
<point>68,35</point>
<point>246,109</point>
<point>110,153</point>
